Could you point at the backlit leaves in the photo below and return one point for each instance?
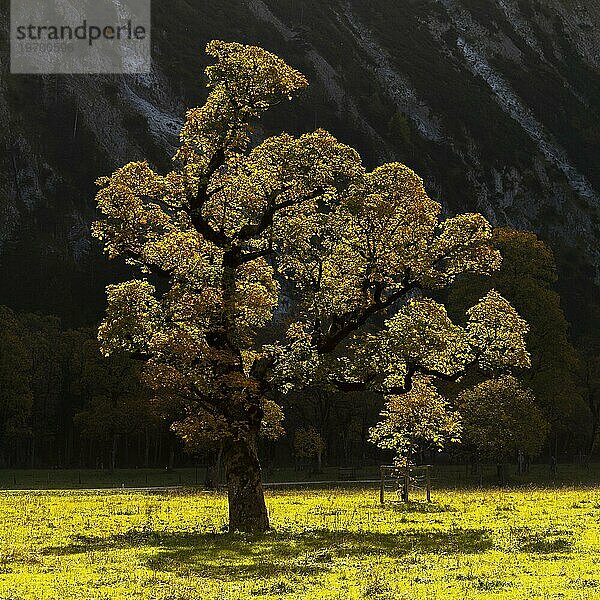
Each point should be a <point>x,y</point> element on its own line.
<point>422,418</point>
<point>245,81</point>
<point>498,333</point>
<point>422,333</point>
<point>283,262</point>
<point>132,317</point>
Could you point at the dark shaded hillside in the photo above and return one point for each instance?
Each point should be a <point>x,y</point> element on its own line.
<point>495,103</point>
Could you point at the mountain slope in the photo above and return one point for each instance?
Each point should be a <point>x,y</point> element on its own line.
<point>494,102</point>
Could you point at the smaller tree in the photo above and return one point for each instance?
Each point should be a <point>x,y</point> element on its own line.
<point>501,418</point>
<point>309,444</point>
<point>420,419</point>
<point>527,279</point>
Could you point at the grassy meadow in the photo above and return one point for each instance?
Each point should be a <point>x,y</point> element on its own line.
<point>328,543</point>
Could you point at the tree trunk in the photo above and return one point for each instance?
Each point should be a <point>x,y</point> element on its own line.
<point>247,508</point>
<point>32,453</point>
<point>502,473</point>
<point>211,482</point>
<point>595,427</point>
<point>113,452</point>
<point>147,449</point>
<point>171,463</point>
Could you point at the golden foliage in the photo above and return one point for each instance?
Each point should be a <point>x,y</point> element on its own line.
<point>421,418</point>
<point>237,230</point>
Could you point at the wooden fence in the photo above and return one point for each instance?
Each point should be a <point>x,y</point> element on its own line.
<point>404,479</point>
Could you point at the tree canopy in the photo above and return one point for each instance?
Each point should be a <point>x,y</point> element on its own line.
<point>308,443</point>
<point>501,417</point>
<point>526,278</point>
<point>419,419</point>
<point>268,264</point>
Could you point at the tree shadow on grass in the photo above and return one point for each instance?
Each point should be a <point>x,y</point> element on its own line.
<point>241,556</point>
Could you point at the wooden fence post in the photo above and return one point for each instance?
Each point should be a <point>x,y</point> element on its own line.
<point>406,484</point>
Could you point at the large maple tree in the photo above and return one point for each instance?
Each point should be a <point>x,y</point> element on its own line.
<point>277,263</point>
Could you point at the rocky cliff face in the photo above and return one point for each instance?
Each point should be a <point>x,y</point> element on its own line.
<point>494,102</point>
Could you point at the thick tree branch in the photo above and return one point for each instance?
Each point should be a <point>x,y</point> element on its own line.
<point>198,399</point>
<point>153,268</point>
<point>250,256</point>
<point>347,324</point>
<point>249,231</point>
<point>197,202</point>
<point>412,370</point>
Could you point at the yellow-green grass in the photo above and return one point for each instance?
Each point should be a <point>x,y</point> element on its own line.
<point>535,543</point>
